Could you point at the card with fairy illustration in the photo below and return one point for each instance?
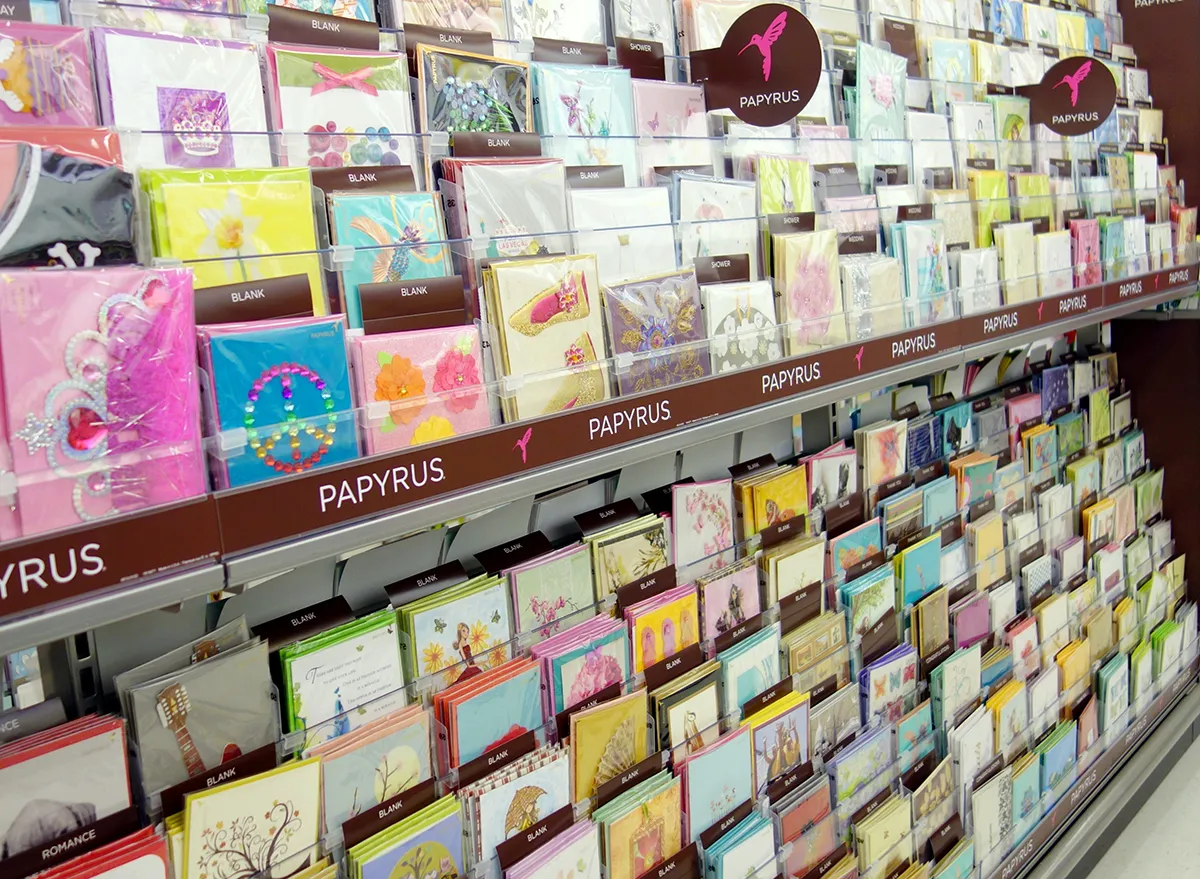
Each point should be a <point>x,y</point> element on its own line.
<point>729,597</point>
<point>718,780</point>
<point>396,237</point>
<point>657,321</point>
<point>588,111</point>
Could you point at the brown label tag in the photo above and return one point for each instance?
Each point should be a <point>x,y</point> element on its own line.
<point>1032,554</point>
<point>946,837</point>
<point>16,10</point>
<point>616,513</point>
<point>595,177</point>
<point>857,242</point>
<point>893,486</point>
<point>426,583</point>
<point>569,52</point>
<point>981,35</point>
<point>68,564</point>
<point>306,622</point>
<point>772,694</point>
<point>21,722</point>
<point>669,171</point>
<point>866,566</point>
<point>714,833</point>
<point>1060,168</point>
<point>905,412</point>
<point>744,469</point>
<point>900,869</point>
<point>981,508</point>
<point>952,530</point>
<point>981,163</point>
<point>988,772</point>
<point>684,864</point>
<point>827,863</point>
<point>635,775</point>
<point>843,515</point>
<point>782,224</point>
<point>259,760</point>
<point>935,658</point>
<point>914,212</point>
<point>798,608</point>
<point>72,844</point>
<point>497,758</point>
<point>959,591</point>
<point>562,720</point>
<point>673,666</point>
<point>919,771</point>
<point>479,42</point>
<point>513,144</point>
<point>892,175</point>
<point>775,534</point>
<point>788,781</point>
<point>881,638</point>
<point>288,25</point>
<point>526,842</point>
<point>822,691</point>
<point>644,59</point>
<point>737,634</point>
<point>913,538</point>
<point>515,552</point>
<point>730,268</point>
<point>658,500</point>
<point>872,805</point>
<point>391,811</point>
<point>646,587</point>
<point>359,178</point>
<point>929,472</point>
<point>383,304</point>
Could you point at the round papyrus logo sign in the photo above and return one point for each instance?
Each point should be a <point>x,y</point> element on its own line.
<point>1074,97</point>
<point>767,67</point>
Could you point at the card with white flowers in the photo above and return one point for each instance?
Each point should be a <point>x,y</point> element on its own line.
<point>741,325</point>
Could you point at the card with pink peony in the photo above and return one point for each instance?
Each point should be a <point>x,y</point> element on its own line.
<point>599,662</point>
<point>806,265</point>
<point>432,381</point>
<point>702,523</point>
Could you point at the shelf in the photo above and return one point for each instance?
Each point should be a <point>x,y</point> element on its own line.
<point>1087,838</point>
<point>267,530</point>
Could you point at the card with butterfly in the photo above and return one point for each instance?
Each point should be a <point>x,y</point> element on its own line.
<point>339,108</point>
<point>48,79</point>
<point>671,117</point>
<point>660,317</point>
<point>891,683</point>
<point>589,111</point>
<point>548,316</point>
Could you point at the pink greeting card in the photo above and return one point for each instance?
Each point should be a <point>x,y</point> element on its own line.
<point>101,394</point>
<point>432,383</point>
<point>45,76</point>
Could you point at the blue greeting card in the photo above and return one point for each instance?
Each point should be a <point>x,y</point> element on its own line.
<point>1026,800</point>
<point>502,711</point>
<point>391,762</point>
<point>941,500</point>
<point>1056,387</point>
<point>920,568</point>
<point>287,384</point>
<point>1058,758</point>
<point>396,238</point>
<point>914,727</point>
<point>436,849</point>
<point>719,779</point>
<point>959,433</point>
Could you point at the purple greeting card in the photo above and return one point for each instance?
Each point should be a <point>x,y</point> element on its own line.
<point>45,77</point>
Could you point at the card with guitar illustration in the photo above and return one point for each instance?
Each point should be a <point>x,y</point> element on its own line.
<point>193,720</point>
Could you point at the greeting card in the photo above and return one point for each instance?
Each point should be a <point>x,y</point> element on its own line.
<point>454,632</point>
<point>605,741</point>
<point>100,392</point>
<point>882,79</point>
<point>623,251</point>
<point>662,110</point>
<point>361,10</point>
<point>657,320</point>
<point>590,109</point>
<point>506,708</point>
<point>807,273</point>
<point>468,15</point>
<point>784,184</point>
<point>230,225</point>
<point>283,382</point>
<point>702,523</point>
<point>741,327</point>
<point>48,79</point>
<point>718,779</point>
<point>189,93</point>
<point>729,597</point>
<point>551,331</point>
<point>581,22</point>
<point>462,91</point>
<point>600,661</point>
<point>663,626</point>
<point>719,217</point>
<point>648,832</point>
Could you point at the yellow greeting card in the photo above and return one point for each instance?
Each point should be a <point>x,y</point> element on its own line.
<point>605,741</point>
<point>232,227</point>
<point>665,630</point>
<point>646,835</point>
<point>780,498</point>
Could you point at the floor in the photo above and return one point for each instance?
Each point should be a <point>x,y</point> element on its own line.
<point>1163,838</point>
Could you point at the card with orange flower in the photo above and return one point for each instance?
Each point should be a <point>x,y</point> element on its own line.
<point>430,380</point>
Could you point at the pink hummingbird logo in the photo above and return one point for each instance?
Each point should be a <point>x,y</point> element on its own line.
<point>859,356</point>
<point>523,444</point>
<point>1075,79</point>
<point>764,41</point>
<point>1040,306</point>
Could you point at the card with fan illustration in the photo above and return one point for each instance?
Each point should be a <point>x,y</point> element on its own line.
<point>373,764</point>
<point>660,317</point>
<point>588,111</point>
<point>396,237</point>
<point>550,331</point>
<point>806,269</point>
<point>280,810</point>
<point>605,741</point>
<point>192,720</point>
<point>345,107</point>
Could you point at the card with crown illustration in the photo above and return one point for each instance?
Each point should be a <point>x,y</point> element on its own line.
<point>339,108</point>
<point>47,77</point>
<point>188,93</point>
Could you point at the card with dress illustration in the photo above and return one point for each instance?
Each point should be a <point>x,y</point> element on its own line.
<point>702,523</point>
<point>449,631</point>
<point>659,316</point>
